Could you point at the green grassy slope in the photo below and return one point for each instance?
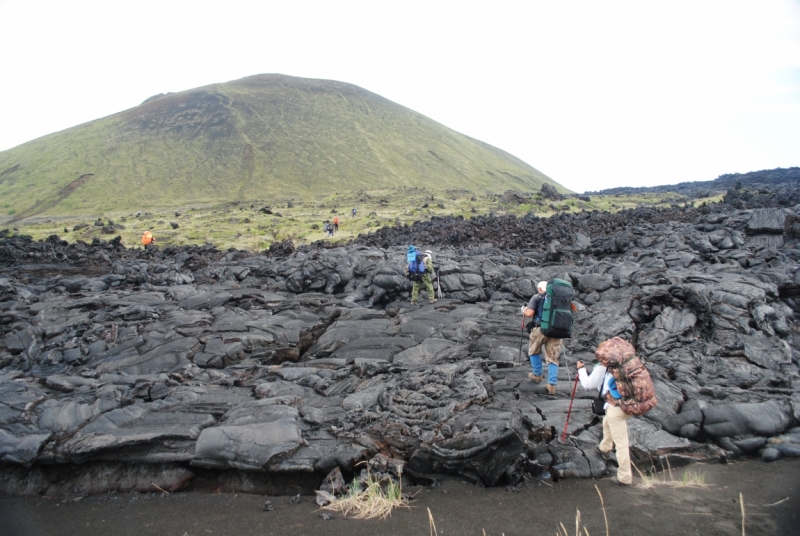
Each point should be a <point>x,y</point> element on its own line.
<point>242,225</point>
<point>254,138</point>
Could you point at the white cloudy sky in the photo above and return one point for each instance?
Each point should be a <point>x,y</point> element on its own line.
<point>593,93</point>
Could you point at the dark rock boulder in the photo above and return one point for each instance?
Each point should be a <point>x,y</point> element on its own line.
<point>549,192</point>
<point>249,437</point>
<point>736,420</point>
<point>766,220</point>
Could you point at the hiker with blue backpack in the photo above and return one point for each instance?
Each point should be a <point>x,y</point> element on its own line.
<point>419,269</point>
<point>551,311</point>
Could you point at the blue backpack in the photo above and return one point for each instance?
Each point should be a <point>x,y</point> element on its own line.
<point>416,264</point>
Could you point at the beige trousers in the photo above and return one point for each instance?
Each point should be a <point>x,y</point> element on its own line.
<point>615,432</point>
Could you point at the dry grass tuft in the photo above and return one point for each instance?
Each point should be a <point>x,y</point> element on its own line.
<point>603,505</point>
<point>689,479</point>
<point>375,501</point>
<point>562,530</point>
<point>741,503</point>
<point>432,524</point>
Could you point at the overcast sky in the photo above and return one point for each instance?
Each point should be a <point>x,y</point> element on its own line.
<point>595,94</point>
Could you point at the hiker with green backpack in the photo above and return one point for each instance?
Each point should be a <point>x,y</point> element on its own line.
<point>551,310</point>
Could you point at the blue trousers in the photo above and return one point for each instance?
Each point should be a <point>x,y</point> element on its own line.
<point>552,368</point>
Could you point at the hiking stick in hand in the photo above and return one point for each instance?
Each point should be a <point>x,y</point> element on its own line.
<point>521,331</point>
<point>569,411</point>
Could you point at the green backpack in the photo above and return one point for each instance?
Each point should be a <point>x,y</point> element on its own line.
<point>557,316</point>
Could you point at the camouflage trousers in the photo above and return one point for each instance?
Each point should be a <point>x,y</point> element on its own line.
<point>426,280</point>
<point>552,347</point>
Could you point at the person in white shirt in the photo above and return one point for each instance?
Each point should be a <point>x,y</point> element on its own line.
<point>615,425</point>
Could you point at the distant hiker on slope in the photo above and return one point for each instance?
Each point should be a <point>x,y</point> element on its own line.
<point>336,224</point>
<point>354,212</point>
<point>148,240</point>
<point>419,270</point>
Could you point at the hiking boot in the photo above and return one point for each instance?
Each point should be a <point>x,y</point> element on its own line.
<point>433,300</point>
<point>616,480</point>
<point>551,389</point>
<point>533,377</point>
<point>413,303</point>
<point>606,455</point>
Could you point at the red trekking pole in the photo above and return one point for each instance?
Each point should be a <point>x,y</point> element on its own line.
<point>569,411</point>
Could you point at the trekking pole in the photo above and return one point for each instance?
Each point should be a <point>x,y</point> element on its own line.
<point>569,411</point>
<point>521,331</point>
<point>438,285</point>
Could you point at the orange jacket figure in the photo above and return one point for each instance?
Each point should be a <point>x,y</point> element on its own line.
<point>148,238</point>
<point>336,220</point>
